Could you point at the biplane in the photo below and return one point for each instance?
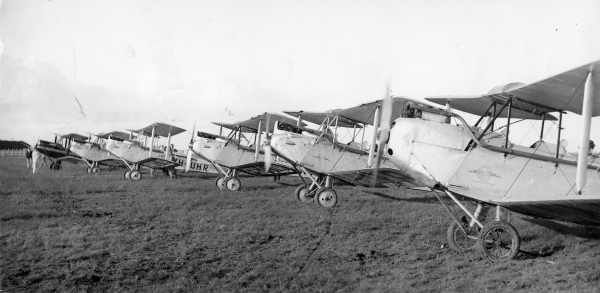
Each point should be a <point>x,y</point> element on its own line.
<point>139,153</point>
<point>237,153</point>
<point>481,165</point>
<point>94,153</point>
<point>322,157</point>
<point>57,151</point>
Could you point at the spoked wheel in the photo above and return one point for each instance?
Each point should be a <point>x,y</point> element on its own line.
<point>233,184</point>
<point>126,175</point>
<point>500,241</point>
<point>220,182</point>
<point>303,194</point>
<point>326,198</point>
<point>458,240</point>
<point>135,175</point>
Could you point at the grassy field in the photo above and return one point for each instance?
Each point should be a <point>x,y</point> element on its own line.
<point>70,231</point>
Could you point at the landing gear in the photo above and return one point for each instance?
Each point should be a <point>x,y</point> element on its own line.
<point>460,241</point>
<point>94,170</point>
<point>320,190</point>
<point>499,241</point>
<point>220,182</point>
<point>326,197</point>
<point>126,175</point>
<point>233,184</point>
<point>172,173</point>
<point>135,175</point>
<point>304,193</point>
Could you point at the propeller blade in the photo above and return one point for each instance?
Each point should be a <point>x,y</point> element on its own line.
<point>188,160</point>
<point>383,133</point>
<point>35,155</point>
<point>267,147</point>
<point>268,157</point>
<point>193,134</point>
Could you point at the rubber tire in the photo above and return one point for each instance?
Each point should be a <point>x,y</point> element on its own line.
<point>220,183</point>
<point>233,184</point>
<point>326,198</point>
<point>451,238</point>
<point>135,175</point>
<point>507,228</point>
<point>303,194</point>
<point>126,175</point>
<point>94,170</point>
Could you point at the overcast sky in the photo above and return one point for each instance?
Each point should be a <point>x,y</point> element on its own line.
<point>130,63</point>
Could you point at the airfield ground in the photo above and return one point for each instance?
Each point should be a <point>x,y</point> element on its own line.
<point>70,231</point>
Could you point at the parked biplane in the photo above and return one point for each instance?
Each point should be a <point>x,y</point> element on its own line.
<point>480,164</point>
<point>323,157</point>
<point>57,151</point>
<point>93,152</point>
<point>139,153</point>
<point>237,153</point>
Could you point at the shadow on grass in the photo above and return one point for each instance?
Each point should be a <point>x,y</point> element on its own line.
<point>590,232</point>
<point>544,252</point>
<point>431,200</point>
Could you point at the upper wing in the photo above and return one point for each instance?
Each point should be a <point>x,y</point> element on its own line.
<point>563,92</point>
<point>365,113</point>
<point>319,117</point>
<point>479,105</point>
<point>160,129</point>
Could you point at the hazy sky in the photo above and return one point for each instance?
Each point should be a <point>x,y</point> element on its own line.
<point>130,63</point>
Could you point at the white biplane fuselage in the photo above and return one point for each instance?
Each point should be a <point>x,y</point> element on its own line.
<point>521,180</point>
<point>91,151</point>
<point>319,155</point>
<point>235,153</point>
<point>132,151</point>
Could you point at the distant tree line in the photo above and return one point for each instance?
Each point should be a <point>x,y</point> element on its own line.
<point>13,145</point>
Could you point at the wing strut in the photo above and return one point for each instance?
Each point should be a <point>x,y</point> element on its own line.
<point>151,144</point>
<point>588,103</point>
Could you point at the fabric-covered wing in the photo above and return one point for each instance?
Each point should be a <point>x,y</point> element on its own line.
<point>157,163</point>
<point>225,125</point>
<point>563,91</point>
<point>479,105</point>
<point>365,113</point>
<point>75,136</point>
<point>252,123</point>
<point>319,117</point>
<point>160,129</point>
<point>118,135</point>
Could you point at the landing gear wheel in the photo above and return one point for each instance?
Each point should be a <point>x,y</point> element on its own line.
<point>89,170</point>
<point>303,194</point>
<point>458,240</point>
<point>233,184</point>
<point>172,173</point>
<point>135,175</point>
<point>94,170</point>
<point>126,175</point>
<point>220,183</point>
<point>499,241</point>
<point>326,198</point>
